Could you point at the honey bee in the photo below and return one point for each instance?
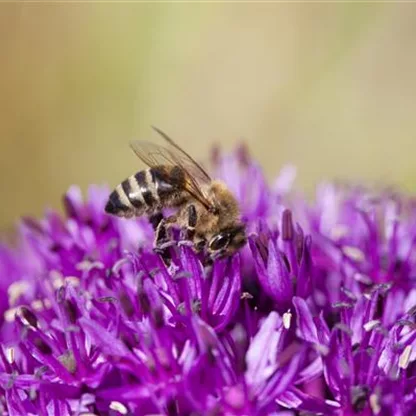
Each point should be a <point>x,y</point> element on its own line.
<point>206,211</point>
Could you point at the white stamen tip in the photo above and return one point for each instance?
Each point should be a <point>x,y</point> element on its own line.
<point>287,317</point>
<point>404,357</point>
<point>118,407</point>
<point>353,253</point>
<point>86,265</point>
<point>362,278</point>
<point>322,349</point>
<point>56,278</point>
<point>72,280</point>
<point>339,231</point>
<point>40,305</point>
<point>10,314</point>
<point>15,290</point>
<point>10,355</point>
<point>370,325</point>
<point>375,404</point>
<point>332,403</point>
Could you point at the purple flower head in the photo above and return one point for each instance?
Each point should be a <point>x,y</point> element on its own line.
<point>316,314</point>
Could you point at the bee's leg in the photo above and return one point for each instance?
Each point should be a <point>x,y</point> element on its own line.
<point>155,220</point>
<point>163,238</point>
<point>189,232</point>
<point>199,244</point>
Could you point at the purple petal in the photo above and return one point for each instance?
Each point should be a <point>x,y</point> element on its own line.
<point>305,324</point>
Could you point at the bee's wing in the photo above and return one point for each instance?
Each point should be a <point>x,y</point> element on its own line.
<point>155,155</point>
<point>194,168</point>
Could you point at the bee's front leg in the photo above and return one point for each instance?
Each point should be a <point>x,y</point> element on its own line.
<point>155,220</point>
<point>189,231</point>
<point>163,238</point>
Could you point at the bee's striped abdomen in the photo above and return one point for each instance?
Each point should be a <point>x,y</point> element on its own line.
<point>133,193</point>
<point>165,184</point>
<point>119,204</point>
<point>148,191</point>
<point>146,187</point>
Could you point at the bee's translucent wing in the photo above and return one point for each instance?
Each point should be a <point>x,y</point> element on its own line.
<point>155,155</point>
<point>194,168</point>
<point>152,154</point>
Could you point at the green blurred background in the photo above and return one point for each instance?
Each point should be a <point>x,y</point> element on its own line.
<point>329,87</point>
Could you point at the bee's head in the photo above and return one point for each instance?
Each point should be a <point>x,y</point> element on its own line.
<point>227,241</point>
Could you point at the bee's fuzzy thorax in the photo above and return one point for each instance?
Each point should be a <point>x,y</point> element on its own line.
<point>225,201</point>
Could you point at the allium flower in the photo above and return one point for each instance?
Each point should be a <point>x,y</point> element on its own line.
<point>316,314</point>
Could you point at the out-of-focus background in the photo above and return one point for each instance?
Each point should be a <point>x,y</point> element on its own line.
<point>329,87</point>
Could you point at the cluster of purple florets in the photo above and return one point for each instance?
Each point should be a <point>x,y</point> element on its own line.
<point>315,315</point>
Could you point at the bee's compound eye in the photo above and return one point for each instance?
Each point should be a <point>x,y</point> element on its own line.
<point>219,242</point>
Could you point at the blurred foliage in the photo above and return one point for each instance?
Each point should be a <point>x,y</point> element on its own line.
<point>329,87</point>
